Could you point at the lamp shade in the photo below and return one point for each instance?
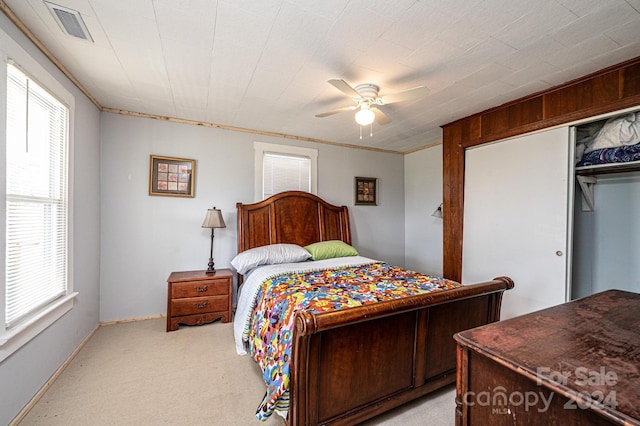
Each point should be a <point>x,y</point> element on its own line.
<point>365,117</point>
<point>213,219</point>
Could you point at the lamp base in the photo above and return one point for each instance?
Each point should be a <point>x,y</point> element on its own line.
<point>210,269</point>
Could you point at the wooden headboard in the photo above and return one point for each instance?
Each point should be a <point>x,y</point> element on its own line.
<point>293,217</point>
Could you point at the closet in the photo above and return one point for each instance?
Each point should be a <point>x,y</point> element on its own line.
<point>606,220</point>
<point>560,226</point>
<point>481,240</point>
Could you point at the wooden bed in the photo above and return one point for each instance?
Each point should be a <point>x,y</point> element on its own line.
<point>333,378</point>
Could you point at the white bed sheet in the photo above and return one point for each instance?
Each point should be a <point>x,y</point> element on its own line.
<point>249,289</point>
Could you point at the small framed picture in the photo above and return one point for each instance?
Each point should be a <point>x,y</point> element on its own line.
<point>366,191</point>
<point>171,176</point>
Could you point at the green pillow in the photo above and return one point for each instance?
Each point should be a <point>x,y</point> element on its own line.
<point>330,249</point>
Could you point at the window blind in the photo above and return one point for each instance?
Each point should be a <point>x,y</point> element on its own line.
<point>36,197</point>
<point>285,173</point>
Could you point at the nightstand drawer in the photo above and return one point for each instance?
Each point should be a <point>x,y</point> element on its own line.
<point>200,288</point>
<point>199,305</point>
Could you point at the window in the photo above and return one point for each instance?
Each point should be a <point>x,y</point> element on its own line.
<point>36,269</point>
<point>282,172</point>
<point>36,200</point>
<point>284,168</point>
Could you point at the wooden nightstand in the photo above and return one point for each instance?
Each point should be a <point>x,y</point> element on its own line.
<point>196,298</point>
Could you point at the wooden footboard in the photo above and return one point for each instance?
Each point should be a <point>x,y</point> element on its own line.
<point>353,364</point>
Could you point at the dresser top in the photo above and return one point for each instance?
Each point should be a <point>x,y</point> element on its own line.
<point>198,275</point>
<point>589,346</point>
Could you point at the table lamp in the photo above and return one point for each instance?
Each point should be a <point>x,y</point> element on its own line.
<point>213,220</point>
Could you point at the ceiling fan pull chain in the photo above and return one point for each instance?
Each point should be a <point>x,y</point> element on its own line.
<point>371,134</point>
<point>360,132</point>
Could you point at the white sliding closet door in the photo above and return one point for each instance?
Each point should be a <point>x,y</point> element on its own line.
<point>516,207</point>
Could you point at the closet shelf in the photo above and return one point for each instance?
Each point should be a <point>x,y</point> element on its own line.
<point>587,178</point>
<point>602,169</point>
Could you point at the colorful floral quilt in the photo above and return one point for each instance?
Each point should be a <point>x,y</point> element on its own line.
<point>270,331</point>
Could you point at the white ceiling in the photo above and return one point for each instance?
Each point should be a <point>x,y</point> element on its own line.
<point>264,64</point>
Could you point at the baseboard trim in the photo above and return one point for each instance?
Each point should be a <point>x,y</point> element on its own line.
<point>25,410</point>
<point>122,321</point>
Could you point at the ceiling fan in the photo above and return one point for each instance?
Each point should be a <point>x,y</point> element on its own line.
<point>367,101</point>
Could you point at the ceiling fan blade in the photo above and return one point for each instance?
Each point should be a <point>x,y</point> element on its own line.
<point>345,88</point>
<point>381,117</point>
<point>407,95</point>
<point>337,111</point>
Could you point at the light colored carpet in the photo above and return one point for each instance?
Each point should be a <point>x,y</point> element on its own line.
<point>137,374</point>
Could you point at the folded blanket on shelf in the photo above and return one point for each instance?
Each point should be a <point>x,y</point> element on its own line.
<point>615,132</point>
<point>620,154</point>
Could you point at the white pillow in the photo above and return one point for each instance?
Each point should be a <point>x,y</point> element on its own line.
<point>269,255</point>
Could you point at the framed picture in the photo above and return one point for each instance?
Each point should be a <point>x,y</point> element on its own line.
<point>366,191</point>
<point>170,176</point>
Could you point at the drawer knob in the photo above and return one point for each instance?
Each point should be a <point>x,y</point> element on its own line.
<point>201,289</point>
<point>201,305</point>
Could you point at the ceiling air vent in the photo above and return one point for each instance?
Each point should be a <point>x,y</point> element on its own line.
<point>70,21</point>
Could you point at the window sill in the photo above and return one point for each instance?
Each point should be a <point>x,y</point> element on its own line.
<point>13,339</point>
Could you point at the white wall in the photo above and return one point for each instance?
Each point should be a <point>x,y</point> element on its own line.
<point>28,369</point>
<point>423,194</point>
<point>607,240</point>
<point>582,249</point>
<point>144,238</point>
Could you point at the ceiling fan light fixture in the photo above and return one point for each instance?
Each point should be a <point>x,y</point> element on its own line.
<point>365,116</point>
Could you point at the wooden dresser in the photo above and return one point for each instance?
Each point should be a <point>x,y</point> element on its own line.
<point>196,298</point>
<point>573,364</point>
